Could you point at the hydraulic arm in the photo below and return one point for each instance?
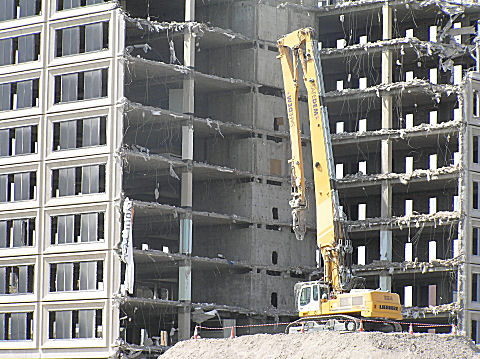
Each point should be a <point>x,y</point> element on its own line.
<point>300,48</point>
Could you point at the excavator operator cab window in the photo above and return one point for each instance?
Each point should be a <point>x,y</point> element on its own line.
<point>305,296</point>
<point>315,293</point>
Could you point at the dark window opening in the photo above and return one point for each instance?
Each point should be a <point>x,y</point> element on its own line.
<point>271,227</point>
<point>274,300</point>
<point>16,279</point>
<point>473,334</point>
<point>277,122</point>
<point>16,326</point>
<point>275,213</point>
<point>474,287</point>
<point>16,9</point>
<point>17,233</point>
<point>82,39</point>
<point>80,133</point>
<point>74,181</point>
<point>475,241</point>
<point>475,195</point>
<point>19,95</point>
<point>274,183</point>
<point>274,273</point>
<point>275,139</point>
<point>76,276</point>
<point>274,257</point>
<point>18,141</point>
<point>79,86</point>
<point>71,4</point>
<point>75,324</point>
<point>77,228</point>
<point>475,149</point>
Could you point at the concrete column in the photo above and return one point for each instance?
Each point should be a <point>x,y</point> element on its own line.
<point>386,150</point>
<point>185,268</point>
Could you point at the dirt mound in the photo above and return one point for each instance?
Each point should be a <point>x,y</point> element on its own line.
<point>336,345</point>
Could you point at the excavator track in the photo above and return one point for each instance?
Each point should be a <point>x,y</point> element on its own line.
<point>342,322</point>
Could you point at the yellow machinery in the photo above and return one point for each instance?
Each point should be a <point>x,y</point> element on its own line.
<point>331,303</point>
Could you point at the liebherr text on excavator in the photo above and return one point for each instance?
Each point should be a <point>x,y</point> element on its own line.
<point>331,303</point>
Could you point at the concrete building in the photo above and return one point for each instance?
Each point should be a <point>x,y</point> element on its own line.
<point>172,112</point>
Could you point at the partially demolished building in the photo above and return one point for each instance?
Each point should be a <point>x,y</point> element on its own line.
<point>144,176</point>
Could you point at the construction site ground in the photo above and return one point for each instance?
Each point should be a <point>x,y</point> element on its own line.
<point>338,345</point>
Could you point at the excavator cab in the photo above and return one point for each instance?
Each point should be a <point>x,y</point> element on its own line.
<point>309,295</point>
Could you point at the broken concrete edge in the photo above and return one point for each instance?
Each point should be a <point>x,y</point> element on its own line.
<point>452,171</point>
<point>139,301</point>
<point>131,61</point>
<point>450,309</point>
<point>421,47</point>
<point>177,257</point>
<point>449,7</point>
<point>193,27</point>
<point>423,129</point>
<point>216,125</point>
<point>414,86</point>
<point>414,220</point>
<point>399,267</point>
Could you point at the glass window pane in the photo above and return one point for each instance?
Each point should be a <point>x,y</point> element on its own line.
<point>65,229</point>
<point>66,181</point>
<point>5,51</point>
<point>89,224</point>
<point>86,319</point>
<point>70,41</point>
<point>24,94</point>
<point>19,232</point>
<point>2,326</point>
<point>19,326</point>
<point>7,10</point>
<point>68,134</point>
<point>93,84</point>
<point>3,234</point>
<point>23,279</point>
<point>69,87</point>
<point>4,142</point>
<point>70,4</point>
<point>63,324</point>
<point>64,277</point>
<point>91,2</point>
<point>3,280</point>
<point>93,37</point>
<point>91,132</point>
<point>27,8</point>
<point>26,48</point>
<point>5,94</point>
<point>23,140</point>
<point>88,275</point>
<point>3,188</point>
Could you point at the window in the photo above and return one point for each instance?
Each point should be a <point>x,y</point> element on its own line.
<point>78,180</point>
<point>16,326</point>
<point>71,4</point>
<point>475,243</point>
<point>81,86</point>
<point>475,195</point>
<point>18,95</point>
<point>275,213</point>
<point>475,288</point>
<point>20,49</point>
<point>79,133</point>
<point>16,279</point>
<point>475,149</point>
<point>77,228</point>
<point>18,141</point>
<point>474,331</point>
<point>66,277</point>
<point>82,39</point>
<point>315,292</point>
<point>305,295</point>
<point>17,233</point>
<point>15,9</point>
<point>274,257</point>
<point>75,324</point>
<point>274,299</point>
<point>17,187</point>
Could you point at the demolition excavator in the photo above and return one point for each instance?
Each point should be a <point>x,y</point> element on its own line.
<point>334,302</point>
